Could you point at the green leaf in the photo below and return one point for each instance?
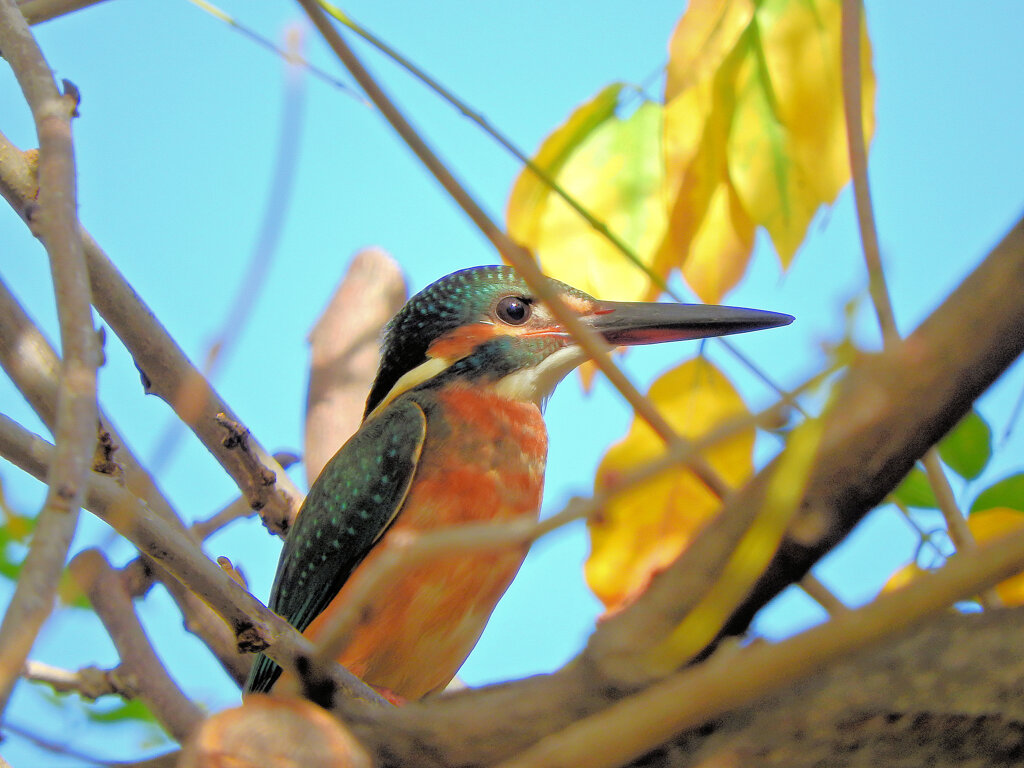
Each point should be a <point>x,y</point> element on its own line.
<point>915,491</point>
<point>967,449</point>
<point>133,709</point>
<point>1008,492</point>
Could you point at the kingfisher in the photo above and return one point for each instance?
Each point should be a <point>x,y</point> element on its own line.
<point>453,432</point>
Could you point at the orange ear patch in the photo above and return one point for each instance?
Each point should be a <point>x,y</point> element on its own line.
<point>458,343</point>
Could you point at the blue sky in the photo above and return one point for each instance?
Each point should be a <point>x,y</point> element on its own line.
<point>176,142</point>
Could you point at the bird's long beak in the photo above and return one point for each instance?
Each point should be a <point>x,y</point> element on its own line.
<point>630,323</point>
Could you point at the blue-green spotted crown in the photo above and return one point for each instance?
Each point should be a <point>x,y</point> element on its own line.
<point>460,298</point>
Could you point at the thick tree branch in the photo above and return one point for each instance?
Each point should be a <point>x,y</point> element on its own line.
<point>889,410</point>
<point>54,218</point>
<point>893,407</point>
<point>344,350</point>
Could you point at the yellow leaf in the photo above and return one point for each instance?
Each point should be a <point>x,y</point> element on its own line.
<point>754,132</point>
<point>646,527</point>
<point>528,199</point>
<point>787,147</point>
<point>903,576</point>
<point>611,167</point>
<point>994,523</point>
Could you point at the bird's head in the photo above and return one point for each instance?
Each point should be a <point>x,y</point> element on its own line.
<point>483,325</point>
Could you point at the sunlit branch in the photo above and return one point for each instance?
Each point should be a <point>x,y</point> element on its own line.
<point>54,219</point>
<point>703,692</point>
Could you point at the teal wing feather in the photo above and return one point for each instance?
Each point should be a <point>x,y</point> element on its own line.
<point>352,503</point>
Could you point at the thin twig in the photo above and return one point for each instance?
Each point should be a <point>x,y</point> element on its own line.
<point>850,26</point>
<point>705,691</point>
<point>956,523</point>
<point>504,141</point>
<point>55,221</point>
<point>55,747</point>
<point>290,56</point>
<point>850,31</point>
<point>512,252</point>
<point>89,682</point>
<point>822,595</point>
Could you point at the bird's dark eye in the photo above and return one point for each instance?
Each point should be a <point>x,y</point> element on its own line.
<point>513,310</point>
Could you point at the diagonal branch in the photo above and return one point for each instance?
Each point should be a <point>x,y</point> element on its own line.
<point>255,626</point>
<point>139,661</point>
<point>54,219</point>
<point>166,370</point>
<point>33,367</point>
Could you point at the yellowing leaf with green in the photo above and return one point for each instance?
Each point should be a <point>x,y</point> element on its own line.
<point>754,131</point>
<point>612,167</point>
<point>985,525</point>
<point>643,529</point>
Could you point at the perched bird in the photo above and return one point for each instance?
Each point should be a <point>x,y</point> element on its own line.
<point>452,433</point>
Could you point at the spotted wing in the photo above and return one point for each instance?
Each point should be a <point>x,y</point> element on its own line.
<point>351,504</point>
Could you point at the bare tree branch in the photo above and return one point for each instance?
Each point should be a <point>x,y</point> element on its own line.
<point>139,661</point>
<point>36,11</point>
<point>55,220</point>
<point>166,369</point>
<point>255,626</point>
<point>88,682</point>
<point>33,367</point>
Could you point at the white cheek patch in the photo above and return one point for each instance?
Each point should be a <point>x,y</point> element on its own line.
<point>535,384</point>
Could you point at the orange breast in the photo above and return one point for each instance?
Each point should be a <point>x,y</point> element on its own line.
<point>483,459</point>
